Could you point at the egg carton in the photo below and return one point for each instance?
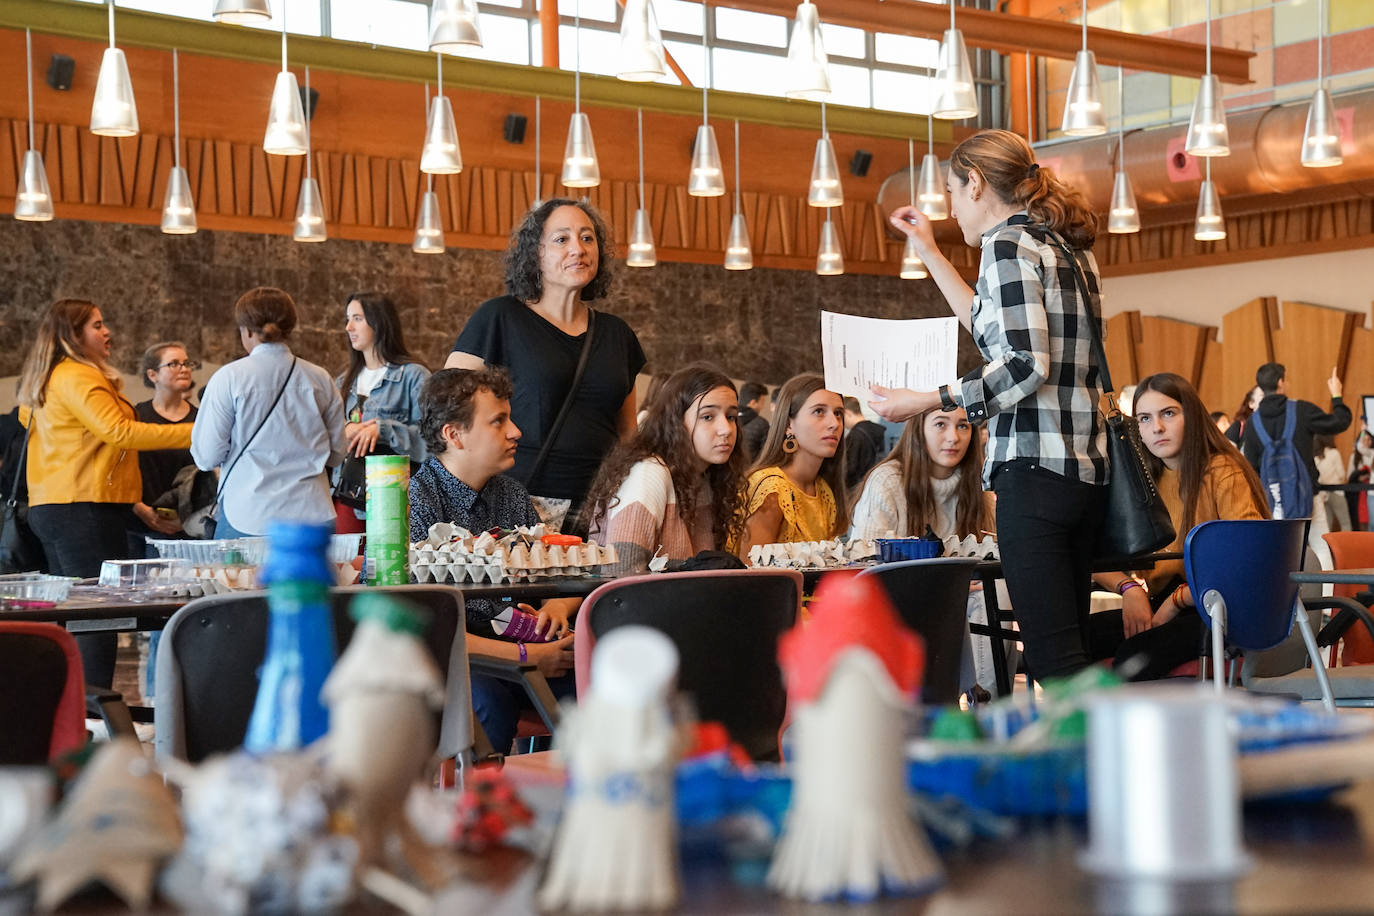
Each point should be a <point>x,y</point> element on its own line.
<point>830,554</point>
<point>454,554</point>
<point>970,546</point>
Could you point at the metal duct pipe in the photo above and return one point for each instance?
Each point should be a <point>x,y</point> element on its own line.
<point>1263,167</point>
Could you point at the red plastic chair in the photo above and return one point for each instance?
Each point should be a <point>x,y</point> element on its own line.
<point>1352,550</point>
<point>42,693</point>
<point>725,624</point>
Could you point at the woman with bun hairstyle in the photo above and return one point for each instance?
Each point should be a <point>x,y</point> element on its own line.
<point>272,423</point>
<point>1039,386</point>
<point>82,460</point>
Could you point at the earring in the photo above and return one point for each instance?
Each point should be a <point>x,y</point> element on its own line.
<point>789,444</point>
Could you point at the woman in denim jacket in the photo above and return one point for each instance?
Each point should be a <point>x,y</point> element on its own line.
<point>380,388</point>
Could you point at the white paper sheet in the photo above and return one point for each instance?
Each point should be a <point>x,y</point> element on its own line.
<point>917,353</point>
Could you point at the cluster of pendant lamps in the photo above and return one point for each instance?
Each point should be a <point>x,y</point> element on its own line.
<point>453,24</point>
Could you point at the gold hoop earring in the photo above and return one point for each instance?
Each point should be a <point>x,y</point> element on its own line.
<point>789,444</point>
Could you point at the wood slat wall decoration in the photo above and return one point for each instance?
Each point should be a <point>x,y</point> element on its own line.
<point>1247,333</point>
<point>1309,343</point>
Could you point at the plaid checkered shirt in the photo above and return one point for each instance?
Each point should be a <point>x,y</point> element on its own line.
<point>1041,385</point>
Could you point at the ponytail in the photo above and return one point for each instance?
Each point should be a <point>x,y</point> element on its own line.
<point>1010,171</point>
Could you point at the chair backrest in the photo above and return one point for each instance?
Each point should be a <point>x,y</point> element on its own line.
<point>1353,550</point>
<point>211,650</point>
<point>42,693</point>
<point>1248,562</point>
<point>725,624</point>
<point>931,596</point>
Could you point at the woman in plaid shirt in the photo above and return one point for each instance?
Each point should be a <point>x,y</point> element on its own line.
<point>1039,387</point>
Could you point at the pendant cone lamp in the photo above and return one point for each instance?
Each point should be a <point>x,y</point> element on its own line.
<point>829,257</point>
<point>178,208</point>
<point>808,67</point>
<point>1083,112</point>
<point>1123,217</point>
<point>930,191</point>
<point>33,198</point>
<point>825,189</point>
<point>453,25</point>
<point>286,128</point>
<point>707,177</point>
<point>1210,225</point>
<point>580,166</point>
<point>913,268</point>
<point>641,44</point>
<point>1207,132</point>
<point>113,111</point>
<point>441,154</point>
<point>739,254</point>
<point>429,227</point>
<point>1321,138</point>
<point>642,252</point>
<point>242,12</point>
<point>309,225</point>
<point>955,98</point>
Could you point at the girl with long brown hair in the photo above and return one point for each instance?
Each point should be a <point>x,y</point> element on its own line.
<point>1201,477</point>
<point>931,478</point>
<point>676,484</point>
<point>796,486</point>
<point>1029,313</point>
<point>83,481</point>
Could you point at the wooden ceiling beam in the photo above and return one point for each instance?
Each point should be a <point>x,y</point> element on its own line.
<point>1012,34</point>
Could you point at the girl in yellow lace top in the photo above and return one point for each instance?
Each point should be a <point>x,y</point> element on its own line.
<point>796,489</point>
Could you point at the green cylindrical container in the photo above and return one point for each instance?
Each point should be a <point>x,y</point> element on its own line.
<point>388,519</point>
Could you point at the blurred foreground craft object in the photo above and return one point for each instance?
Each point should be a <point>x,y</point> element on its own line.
<point>117,827</point>
<point>616,848</point>
<point>382,697</point>
<point>850,674</point>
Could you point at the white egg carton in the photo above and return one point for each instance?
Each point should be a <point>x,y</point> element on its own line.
<point>970,546</point>
<point>830,554</point>
<point>454,554</point>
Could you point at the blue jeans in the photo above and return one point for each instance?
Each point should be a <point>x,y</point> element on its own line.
<point>225,530</point>
<point>497,705</point>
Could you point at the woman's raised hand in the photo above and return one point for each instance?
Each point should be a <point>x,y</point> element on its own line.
<point>362,437</point>
<point>910,221</point>
<point>900,404</point>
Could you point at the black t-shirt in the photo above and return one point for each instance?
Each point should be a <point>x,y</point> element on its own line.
<point>159,467</point>
<point>542,360</point>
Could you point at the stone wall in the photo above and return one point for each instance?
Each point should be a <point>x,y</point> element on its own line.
<point>759,324</point>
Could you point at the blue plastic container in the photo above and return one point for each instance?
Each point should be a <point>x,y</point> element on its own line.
<point>893,550</point>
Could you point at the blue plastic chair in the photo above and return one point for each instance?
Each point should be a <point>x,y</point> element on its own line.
<point>1238,573</point>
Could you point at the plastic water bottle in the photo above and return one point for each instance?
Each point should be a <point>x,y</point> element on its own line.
<point>288,713</point>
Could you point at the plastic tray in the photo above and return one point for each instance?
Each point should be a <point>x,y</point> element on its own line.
<point>144,574</point>
<point>221,552</point>
<point>34,587</point>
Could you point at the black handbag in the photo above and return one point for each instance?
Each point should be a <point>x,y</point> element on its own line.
<point>20,549</point>
<point>1137,521</point>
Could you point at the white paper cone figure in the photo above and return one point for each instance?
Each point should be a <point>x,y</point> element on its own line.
<point>851,672</point>
<point>616,847</point>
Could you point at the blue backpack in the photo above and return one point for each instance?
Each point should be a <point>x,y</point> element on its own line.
<point>1282,471</point>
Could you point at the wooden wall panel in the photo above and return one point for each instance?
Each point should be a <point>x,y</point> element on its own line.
<point>1209,386</point>
<point>1167,345</point>
<point>1120,344</point>
<point>1311,341</point>
<point>1359,380</point>
<point>1247,333</point>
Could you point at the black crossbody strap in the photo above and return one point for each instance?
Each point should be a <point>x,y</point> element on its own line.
<point>267,416</point>
<point>23,452</point>
<point>567,404</point>
<point>1082,285</point>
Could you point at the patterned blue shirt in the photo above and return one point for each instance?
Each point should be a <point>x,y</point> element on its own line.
<point>437,496</point>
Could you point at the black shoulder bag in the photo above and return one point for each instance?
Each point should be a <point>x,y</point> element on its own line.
<point>20,549</point>
<point>552,510</point>
<point>1137,521</point>
<point>213,521</point>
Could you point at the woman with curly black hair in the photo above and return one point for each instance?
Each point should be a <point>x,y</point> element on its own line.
<point>559,260</point>
<point>676,484</point>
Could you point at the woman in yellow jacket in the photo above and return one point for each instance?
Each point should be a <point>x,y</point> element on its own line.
<point>83,454</point>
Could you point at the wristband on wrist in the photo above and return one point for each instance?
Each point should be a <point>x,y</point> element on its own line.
<point>947,400</point>
<point>524,653</point>
<point>1125,585</point>
<point>1178,596</point>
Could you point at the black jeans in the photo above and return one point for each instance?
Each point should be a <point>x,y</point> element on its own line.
<point>1047,530</point>
<point>77,538</point>
<point>1155,652</point>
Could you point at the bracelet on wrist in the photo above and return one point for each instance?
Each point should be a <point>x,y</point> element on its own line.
<point>1125,585</point>
<point>524,653</point>
<point>1178,596</point>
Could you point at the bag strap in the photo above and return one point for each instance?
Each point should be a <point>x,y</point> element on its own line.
<point>267,416</point>
<point>567,403</point>
<point>1082,286</point>
<point>23,451</point>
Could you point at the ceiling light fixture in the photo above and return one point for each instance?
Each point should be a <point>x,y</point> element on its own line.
<point>580,166</point>
<point>808,67</point>
<point>1210,225</point>
<point>739,254</point>
<point>32,199</point>
<point>441,154</point>
<point>956,98</point>
<point>1207,133</point>
<point>825,190</point>
<point>310,226</point>
<point>1123,216</point>
<point>113,111</point>
<point>178,207</point>
<point>913,268</point>
<point>1083,114</point>
<point>242,12</point>
<point>642,252</point>
<point>829,257</point>
<point>453,26</point>
<point>707,178</point>
<point>1321,136</point>
<point>930,196</point>
<point>286,127</point>
<point>641,44</point>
